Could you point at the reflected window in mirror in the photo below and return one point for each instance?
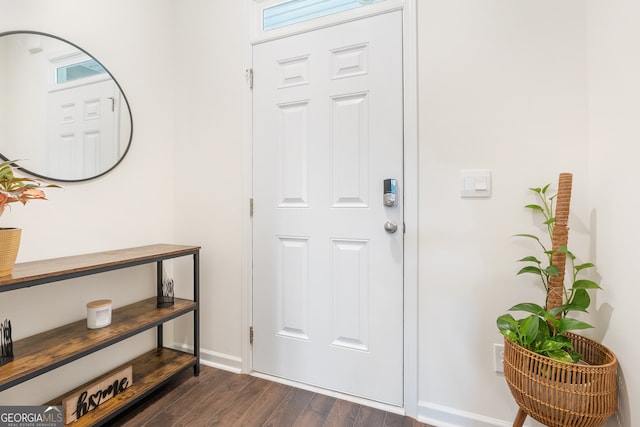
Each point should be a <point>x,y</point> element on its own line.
<point>63,116</point>
<point>79,70</point>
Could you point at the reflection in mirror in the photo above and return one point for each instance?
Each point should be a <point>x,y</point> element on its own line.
<point>62,114</point>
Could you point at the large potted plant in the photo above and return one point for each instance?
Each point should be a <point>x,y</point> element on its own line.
<point>14,189</point>
<point>556,376</point>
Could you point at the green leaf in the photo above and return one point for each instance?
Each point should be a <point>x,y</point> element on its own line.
<point>543,328</point>
<point>552,270</point>
<point>511,335</point>
<point>542,190</point>
<point>564,250</point>
<point>583,266</point>
<point>506,323</point>
<point>585,284</point>
<point>564,340</point>
<point>580,301</point>
<point>568,324</point>
<point>549,221</point>
<point>556,343</point>
<point>531,269</point>
<point>561,355</point>
<point>529,329</point>
<point>530,236</point>
<point>508,326</point>
<point>555,311</point>
<point>542,336</point>
<point>530,259</point>
<point>535,207</point>
<point>529,307</point>
<point>575,356</point>
<point>551,345</point>
<point>551,319</point>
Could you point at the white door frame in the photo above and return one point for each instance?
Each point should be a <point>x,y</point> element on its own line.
<point>410,96</point>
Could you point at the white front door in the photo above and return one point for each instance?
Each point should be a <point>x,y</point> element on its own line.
<point>82,128</point>
<point>327,276</point>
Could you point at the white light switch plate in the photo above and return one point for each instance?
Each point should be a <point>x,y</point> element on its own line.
<point>475,183</point>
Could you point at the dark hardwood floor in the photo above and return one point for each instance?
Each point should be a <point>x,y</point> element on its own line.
<point>220,398</point>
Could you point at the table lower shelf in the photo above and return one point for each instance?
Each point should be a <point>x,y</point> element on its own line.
<point>150,371</point>
<point>51,349</point>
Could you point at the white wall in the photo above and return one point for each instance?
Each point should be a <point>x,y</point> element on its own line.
<point>614,131</point>
<point>131,206</point>
<point>181,67</point>
<point>23,104</point>
<point>210,88</point>
<point>503,85</point>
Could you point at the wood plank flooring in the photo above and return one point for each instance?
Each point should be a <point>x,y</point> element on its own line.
<point>220,398</point>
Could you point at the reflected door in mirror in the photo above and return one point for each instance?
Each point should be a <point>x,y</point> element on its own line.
<point>62,114</point>
<point>82,127</point>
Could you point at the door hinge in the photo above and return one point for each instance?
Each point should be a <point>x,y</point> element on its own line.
<point>250,334</point>
<point>249,76</point>
<point>251,207</point>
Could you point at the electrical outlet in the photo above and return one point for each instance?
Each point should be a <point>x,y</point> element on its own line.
<point>498,358</point>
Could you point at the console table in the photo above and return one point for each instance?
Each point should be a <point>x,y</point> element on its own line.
<point>51,349</point>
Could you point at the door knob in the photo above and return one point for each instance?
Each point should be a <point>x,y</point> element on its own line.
<point>390,226</point>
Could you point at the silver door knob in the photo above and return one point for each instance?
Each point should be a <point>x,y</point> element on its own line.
<point>390,226</point>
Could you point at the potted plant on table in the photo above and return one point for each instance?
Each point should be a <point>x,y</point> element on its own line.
<point>557,377</point>
<point>14,189</point>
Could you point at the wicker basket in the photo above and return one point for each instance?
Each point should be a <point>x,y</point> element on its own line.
<point>560,394</point>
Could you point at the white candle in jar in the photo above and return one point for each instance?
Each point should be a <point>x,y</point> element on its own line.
<point>98,313</point>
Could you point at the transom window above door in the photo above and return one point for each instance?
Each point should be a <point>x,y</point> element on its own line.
<point>295,11</point>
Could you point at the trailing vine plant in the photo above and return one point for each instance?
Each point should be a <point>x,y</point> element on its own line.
<point>544,330</point>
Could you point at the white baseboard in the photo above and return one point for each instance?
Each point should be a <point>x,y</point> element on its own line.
<point>442,416</point>
<point>214,359</point>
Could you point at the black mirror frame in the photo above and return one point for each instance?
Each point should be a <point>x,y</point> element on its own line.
<point>3,157</point>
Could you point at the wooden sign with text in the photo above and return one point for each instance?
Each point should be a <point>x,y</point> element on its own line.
<point>93,395</point>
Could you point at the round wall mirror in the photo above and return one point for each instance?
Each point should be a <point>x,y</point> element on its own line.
<point>63,116</point>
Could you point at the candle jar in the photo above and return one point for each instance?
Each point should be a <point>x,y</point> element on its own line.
<point>98,313</point>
